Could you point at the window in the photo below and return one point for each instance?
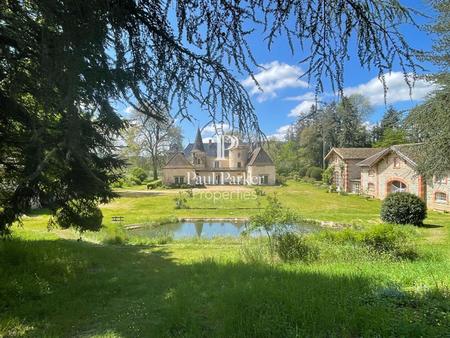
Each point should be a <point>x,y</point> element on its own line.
<point>396,162</point>
<point>397,186</point>
<point>239,164</point>
<point>179,179</point>
<point>239,155</point>
<point>355,187</point>
<point>199,161</point>
<point>216,164</point>
<point>371,188</point>
<point>440,197</point>
<point>264,179</point>
<point>371,172</point>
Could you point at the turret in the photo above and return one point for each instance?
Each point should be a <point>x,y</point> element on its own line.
<point>198,152</point>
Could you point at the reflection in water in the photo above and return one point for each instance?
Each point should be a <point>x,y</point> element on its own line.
<point>204,229</point>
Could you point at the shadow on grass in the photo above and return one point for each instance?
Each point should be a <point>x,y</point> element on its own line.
<point>430,226</point>
<point>67,288</point>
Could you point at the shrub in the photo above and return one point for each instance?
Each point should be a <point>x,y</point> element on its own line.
<point>390,239</point>
<point>315,173</point>
<point>302,171</point>
<point>281,180</point>
<point>291,247</point>
<point>118,184</point>
<point>139,174</point>
<point>403,208</point>
<point>181,201</point>
<point>131,180</point>
<point>327,175</point>
<point>259,191</point>
<point>154,184</point>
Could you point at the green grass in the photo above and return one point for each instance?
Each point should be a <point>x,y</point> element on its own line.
<point>54,286</point>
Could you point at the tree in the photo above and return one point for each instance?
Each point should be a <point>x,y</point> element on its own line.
<point>430,120</point>
<point>392,120</point>
<point>154,139</point>
<point>64,65</point>
<point>391,137</point>
<point>352,132</point>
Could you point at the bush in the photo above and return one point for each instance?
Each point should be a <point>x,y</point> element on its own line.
<point>118,184</point>
<point>139,174</point>
<point>281,180</point>
<point>291,247</point>
<point>315,173</point>
<point>259,192</point>
<point>398,242</point>
<point>327,175</point>
<point>302,171</point>
<point>154,184</point>
<point>403,208</point>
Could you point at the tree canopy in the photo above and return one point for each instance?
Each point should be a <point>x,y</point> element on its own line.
<point>65,63</point>
<point>431,119</point>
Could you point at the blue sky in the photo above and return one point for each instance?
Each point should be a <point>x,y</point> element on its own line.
<point>285,95</point>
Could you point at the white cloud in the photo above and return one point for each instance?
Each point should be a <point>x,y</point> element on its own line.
<point>302,108</point>
<point>398,90</point>
<point>128,110</point>
<point>369,125</point>
<point>307,96</point>
<point>281,133</point>
<point>211,129</point>
<point>274,77</point>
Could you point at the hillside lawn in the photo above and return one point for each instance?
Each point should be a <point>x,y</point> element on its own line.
<point>55,286</point>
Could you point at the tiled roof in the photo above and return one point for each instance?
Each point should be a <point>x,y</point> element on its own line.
<point>354,153</point>
<point>260,157</point>
<point>409,152</point>
<point>368,162</point>
<point>178,161</point>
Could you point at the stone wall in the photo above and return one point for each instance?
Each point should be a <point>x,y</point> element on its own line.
<point>385,172</point>
<point>170,173</point>
<point>256,171</point>
<point>434,187</point>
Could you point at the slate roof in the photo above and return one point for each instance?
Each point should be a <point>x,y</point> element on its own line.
<point>260,157</point>
<point>198,144</point>
<point>353,153</point>
<point>210,149</point>
<point>178,161</point>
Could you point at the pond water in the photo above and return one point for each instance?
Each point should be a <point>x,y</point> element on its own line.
<point>205,229</point>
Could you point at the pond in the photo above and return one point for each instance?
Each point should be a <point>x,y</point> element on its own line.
<point>205,229</point>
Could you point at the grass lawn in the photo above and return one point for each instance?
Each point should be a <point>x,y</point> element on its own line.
<point>54,286</point>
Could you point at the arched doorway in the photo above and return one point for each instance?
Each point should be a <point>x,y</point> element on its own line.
<point>397,186</point>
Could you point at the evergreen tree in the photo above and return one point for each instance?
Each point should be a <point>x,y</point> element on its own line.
<point>430,120</point>
<point>351,132</point>
<point>392,120</point>
<point>64,64</point>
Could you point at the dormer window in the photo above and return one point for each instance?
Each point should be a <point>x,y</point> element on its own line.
<point>397,163</point>
<point>199,161</point>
